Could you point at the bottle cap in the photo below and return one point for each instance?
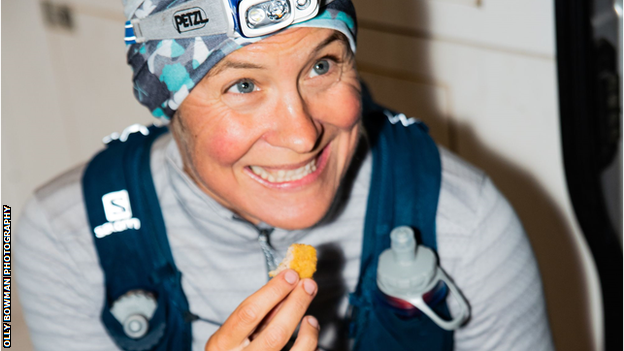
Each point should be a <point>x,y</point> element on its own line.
<point>136,326</point>
<point>403,244</point>
<point>405,268</point>
<point>134,310</point>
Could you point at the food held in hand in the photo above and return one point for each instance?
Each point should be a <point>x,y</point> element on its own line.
<point>301,258</point>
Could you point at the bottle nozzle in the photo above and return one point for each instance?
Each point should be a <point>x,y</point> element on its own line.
<point>403,244</point>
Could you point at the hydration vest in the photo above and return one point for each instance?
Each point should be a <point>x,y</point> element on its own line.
<point>120,197</point>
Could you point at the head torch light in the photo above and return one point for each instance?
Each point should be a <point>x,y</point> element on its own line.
<point>247,18</point>
<point>262,17</point>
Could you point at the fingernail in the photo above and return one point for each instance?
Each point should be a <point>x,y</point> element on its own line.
<point>309,286</point>
<point>313,322</point>
<point>291,277</point>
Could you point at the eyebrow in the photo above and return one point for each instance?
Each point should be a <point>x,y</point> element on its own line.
<point>222,66</point>
<point>336,36</point>
<point>226,64</point>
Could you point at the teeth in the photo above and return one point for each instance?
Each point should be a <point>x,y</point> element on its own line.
<point>285,175</point>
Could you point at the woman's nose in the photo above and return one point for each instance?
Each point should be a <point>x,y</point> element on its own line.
<point>293,127</point>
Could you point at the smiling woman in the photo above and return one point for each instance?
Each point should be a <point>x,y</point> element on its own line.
<point>274,141</point>
<point>270,132</point>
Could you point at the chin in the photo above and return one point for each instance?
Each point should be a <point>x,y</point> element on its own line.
<point>300,217</point>
<point>294,223</point>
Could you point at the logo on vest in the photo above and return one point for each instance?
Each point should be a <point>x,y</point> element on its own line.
<point>394,119</point>
<point>118,214</point>
<point>190,19</point>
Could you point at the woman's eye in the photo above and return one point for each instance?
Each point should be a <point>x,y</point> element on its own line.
<point>320,68</point>
<point>242,87</point>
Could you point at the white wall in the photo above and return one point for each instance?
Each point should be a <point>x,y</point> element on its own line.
<point>481,73</point>
<point>62,92</point>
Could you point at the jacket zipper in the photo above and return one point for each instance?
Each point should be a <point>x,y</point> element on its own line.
<point>270,255</point>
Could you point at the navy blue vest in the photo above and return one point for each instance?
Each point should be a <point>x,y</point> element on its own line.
<point>404,190</point>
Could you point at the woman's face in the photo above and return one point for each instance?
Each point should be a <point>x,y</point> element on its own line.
<point>270,131</point>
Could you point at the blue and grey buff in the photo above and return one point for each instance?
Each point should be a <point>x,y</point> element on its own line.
<point>165,71</point>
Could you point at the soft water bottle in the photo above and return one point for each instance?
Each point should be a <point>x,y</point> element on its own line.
<point>411,280</point>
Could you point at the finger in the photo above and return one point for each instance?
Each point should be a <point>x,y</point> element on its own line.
<point>242,346</point>
<point>278,331</point>
<point>267,319</point>
<point>307,340</point>
<point>244,320</point>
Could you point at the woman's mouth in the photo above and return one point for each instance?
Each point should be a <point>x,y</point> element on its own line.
<point>282,175</point>
<point>291,175</point>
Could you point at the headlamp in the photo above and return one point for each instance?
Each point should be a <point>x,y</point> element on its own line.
<point>261,17</point>
<point>247,18</point>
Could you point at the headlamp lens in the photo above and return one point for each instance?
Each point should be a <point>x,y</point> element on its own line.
<point>278,9</point>
<point>262,17</point>
<point>255,15</point>
<point>267,13</point>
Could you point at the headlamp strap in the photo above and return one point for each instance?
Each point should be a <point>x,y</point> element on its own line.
<point>195,18</point>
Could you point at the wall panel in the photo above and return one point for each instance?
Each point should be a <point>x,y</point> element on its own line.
<point>94,81</point>
<point>500,112</point>
<point>514,25</point>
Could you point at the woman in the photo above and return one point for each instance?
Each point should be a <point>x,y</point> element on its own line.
<point>267,148</point>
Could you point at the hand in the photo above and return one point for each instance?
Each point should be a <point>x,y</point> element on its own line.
<point>267,319</point>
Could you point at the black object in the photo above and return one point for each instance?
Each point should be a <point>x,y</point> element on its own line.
<point>590,131</point>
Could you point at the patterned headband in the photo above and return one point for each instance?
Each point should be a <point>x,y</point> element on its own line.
<point>165,71</point>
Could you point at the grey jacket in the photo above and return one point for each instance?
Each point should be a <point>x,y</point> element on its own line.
<point>481,245</point>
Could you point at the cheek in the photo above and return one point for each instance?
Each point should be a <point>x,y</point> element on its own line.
<point>352,112</point>
<point>341,107</point>
<point>224,142</point>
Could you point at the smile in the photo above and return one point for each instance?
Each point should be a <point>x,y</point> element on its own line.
<point>282,175</point>
<point>290,176</point>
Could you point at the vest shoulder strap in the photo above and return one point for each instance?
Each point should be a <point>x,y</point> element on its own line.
<point>404,190</point>
<point>130,238</point>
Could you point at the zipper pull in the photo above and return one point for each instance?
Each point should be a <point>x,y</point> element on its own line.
<point>267,249</point>
<point>264,230</point>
